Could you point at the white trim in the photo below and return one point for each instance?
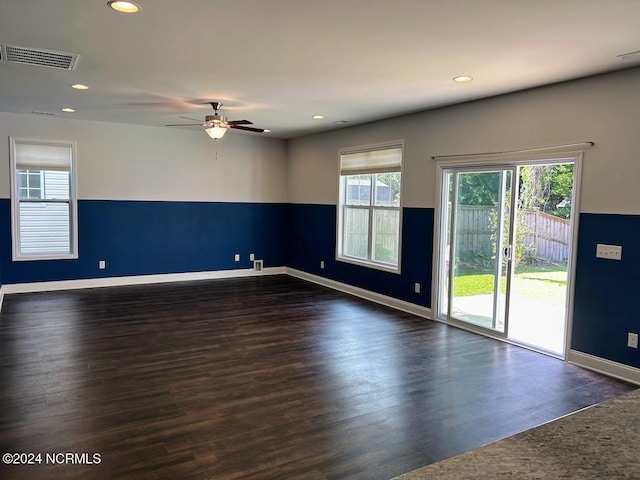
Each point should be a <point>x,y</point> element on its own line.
<point>606,367</point>
<point>362,293</point>
<point>573,260</point>
<point>1,296</point>
<point>369,264</point>
<point>136,280</point>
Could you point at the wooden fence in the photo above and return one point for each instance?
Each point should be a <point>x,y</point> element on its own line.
<point>546,236</point>
<point>475,234</point>
<point>543,236</point>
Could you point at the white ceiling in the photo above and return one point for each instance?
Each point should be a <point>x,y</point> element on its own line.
<point>278,62</point>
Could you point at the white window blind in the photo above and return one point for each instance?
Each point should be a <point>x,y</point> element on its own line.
<point>384,160</point>
<point>30,156</point>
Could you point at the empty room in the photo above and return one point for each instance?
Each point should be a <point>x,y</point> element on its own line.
<point>320,241</point>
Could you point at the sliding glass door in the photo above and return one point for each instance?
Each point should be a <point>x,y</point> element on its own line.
<point>478,238</point>
<point>505,249</point>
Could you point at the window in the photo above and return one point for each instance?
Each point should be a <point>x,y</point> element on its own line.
<point>369,215</point>
<point>43,199</point>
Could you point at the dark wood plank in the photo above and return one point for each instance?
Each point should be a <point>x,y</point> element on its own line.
<point>259,378</point>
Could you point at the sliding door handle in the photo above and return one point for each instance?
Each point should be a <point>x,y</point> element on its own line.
<point>506,252</point>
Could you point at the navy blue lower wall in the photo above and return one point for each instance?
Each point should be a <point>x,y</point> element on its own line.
<point>606,291</point>
<point>141,238</point>
<point>312,238</point>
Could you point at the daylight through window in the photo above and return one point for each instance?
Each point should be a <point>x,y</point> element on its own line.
<point>43,201</point>
<point>369,206</point>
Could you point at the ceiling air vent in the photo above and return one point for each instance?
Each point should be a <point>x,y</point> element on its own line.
<point>38,57</point>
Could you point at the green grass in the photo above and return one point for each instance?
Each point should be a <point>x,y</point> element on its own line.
<point>544,283</point>
<point>479,284</point>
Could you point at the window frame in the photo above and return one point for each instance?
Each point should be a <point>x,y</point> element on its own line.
<point>28,187</point>
<point>17,256</point>
<point>342,205</point>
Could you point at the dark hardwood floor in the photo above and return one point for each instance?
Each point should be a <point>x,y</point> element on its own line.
<point>259,378</point>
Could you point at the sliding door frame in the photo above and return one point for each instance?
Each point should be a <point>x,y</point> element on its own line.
<point>500,161</point>
<point>497,312</point>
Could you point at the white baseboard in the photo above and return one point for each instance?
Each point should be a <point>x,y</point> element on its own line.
<point>362,293</point>
<point>607,367</point>
<point>135,280</point>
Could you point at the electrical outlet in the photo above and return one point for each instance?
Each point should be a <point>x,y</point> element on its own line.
<point>252,256</point>
<point>322,264</point>
<point>632,340</point>
<point>236,257</point>
<point>610,252</point>
<point>102,264</point>
<point>416,287</point>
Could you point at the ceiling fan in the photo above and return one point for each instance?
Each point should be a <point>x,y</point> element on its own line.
<point>216,125</point>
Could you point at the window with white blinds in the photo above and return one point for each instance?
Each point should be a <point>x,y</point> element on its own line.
<point>44,224</point>
<point>369,209</point>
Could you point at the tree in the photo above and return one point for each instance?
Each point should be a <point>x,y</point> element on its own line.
<point>478,189</point>
<point>547,188</point>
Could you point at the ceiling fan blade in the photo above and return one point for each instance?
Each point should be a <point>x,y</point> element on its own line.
<point>240,122</point>
<point>189,118</point>
<point>184,125</point>
<point>249,129</point>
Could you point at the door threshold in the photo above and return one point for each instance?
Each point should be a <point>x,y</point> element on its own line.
<point>496,336</point>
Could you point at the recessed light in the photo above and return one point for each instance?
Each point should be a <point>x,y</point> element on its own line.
<point>318,117</point>
<point>266,130</point>
<point>124,7</point>
<point>67,110</point>
<point>462,79</point>
<point>79,86</point>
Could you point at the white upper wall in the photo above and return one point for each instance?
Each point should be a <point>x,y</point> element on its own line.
<point>130,162</point>
<point>603,109</point>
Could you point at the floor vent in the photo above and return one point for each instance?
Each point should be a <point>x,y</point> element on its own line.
<point>257,265</point>
<point>38,57</point>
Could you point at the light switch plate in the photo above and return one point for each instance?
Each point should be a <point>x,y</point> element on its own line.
<point>610,252</point>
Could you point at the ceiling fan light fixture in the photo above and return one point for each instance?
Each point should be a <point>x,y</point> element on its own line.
<point>216,132</point>
<point>124,7</point>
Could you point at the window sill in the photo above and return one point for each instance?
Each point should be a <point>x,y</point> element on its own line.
<point>34,258</point>
<point>366,264</point>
